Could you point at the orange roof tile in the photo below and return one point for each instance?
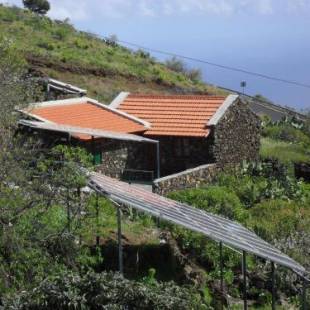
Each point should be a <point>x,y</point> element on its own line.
<point>86,115</point>
<point>170,115</point>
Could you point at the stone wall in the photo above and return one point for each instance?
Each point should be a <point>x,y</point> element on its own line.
<point>235,138</point>
<point>121,157</point>
<point>190,178</point>
<point>178,154</point>
<point>237,135</point>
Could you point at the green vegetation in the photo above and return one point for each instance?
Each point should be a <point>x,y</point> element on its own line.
<point>48,226</point>
<point>287,141</point>
<point>285,152</point>
<point>268,201</point>
<point>46,43</point>
<point>37,6</point>
<point>69,290</point>
<point>178,65</point>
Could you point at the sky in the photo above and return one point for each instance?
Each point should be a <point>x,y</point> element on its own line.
<point>270,37</point>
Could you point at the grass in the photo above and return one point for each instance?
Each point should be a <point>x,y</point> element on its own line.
<point>285,152</point>
<point>61,46</point>
<point>106,88</point>
<point>137,228</point>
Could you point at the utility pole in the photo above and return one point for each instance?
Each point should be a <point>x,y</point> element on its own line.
<point>243,86</point>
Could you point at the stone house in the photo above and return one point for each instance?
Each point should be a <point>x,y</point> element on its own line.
<point>194,130</point>
<point>142,137</point>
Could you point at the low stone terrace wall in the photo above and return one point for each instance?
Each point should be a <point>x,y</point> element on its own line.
<point>190,178</point>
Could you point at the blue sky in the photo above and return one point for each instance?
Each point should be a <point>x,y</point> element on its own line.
<point>267,36</point>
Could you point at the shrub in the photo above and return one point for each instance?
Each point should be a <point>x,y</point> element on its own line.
<point>285,152</point>
<point>214,199</point>
<point>275,219</point>
<point>37,6</point>
<point>249,190</point>
<point>60,33</point>
<point>176,65</point>
<point>143,54</point>
<point>286,132</point>
<point>194,75</point>
<point>106,290</point>
<point>80,44</point>
<point>179,66</point>
<point>46,45</point>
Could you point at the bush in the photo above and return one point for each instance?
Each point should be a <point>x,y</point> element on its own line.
<point>179,66</point>
<point>81,44</point>
<point>214,199</point>
<point>37,6</point>
<point>194,75</point>
<point>249,190</point>
<point>106,290</point>
<point>286,132</point>
<point>46,45</point>
<point>275,219</point>
<point>176,65</point>
<point>60,33</point>
<point>285,152</point>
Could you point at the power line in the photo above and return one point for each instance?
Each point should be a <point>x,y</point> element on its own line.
<point>260,75</point>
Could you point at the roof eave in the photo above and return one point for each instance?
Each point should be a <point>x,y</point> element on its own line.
<point>222,110</point>
<point>85,131</point>
<point>27,111</point>
<point>119,99</point>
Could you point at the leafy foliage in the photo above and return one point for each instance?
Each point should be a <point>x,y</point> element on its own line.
<point>179,66</point>
<point>37,6</point>
<point>287,141</point>
<point>214,199</point>
<point>264,198</point>
<point>41,38</point>
<point>47,223</point>
<point>69,290</point>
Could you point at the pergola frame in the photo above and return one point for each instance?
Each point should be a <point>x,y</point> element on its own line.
<point>93,133</point>
<point>102,186</point>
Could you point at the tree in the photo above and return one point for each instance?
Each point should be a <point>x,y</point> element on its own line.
<point>180,66</point>
<point>37,6</point>
<point>176,65</point>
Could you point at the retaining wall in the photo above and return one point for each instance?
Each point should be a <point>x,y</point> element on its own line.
<point>190,178</point>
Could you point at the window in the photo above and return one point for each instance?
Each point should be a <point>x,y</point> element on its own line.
<point>97,157</point>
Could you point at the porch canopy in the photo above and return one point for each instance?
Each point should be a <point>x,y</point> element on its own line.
<point>96,133</point>
<point>215,227</point>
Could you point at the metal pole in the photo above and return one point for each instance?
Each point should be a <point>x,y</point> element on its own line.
<point>273,286</point>
<point>93,149</point>
<point>245,301</point>
<point>48,89</point>
<point>158,159</point>
<point>97,221</point>
<point>119,235</point>
<point>80,209</point>
<point>221,272</point>
<point>68,213</point>
<point>304,305</point>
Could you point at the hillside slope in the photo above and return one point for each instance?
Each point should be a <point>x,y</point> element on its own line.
<point>57,49</point>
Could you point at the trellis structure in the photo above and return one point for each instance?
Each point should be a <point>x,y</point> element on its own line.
<point>93,133</point>
<point>225,232</point>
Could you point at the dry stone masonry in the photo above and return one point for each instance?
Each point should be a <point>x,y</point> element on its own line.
<point>190,178</point>
<point>236,137</point>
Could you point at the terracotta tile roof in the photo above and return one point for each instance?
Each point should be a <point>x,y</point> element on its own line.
<point>170,115</point>
<point>87,115</point>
